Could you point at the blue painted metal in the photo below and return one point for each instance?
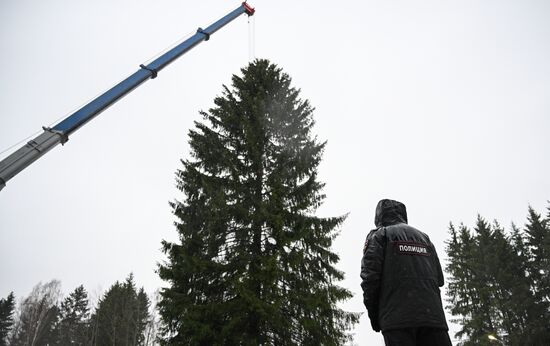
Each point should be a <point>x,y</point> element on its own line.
<point>74,121</point>
<point>51,137</point>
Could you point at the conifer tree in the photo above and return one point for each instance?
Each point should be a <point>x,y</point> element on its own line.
<point>484,278</point>
<point>72,328</point>
<point>253,264</point>
<point>537,234</point>
<point>538,241</point>
<point>493,283</point>
<point>141,319</point>
<point>511,290</point>
<point>121,315</point>
<point>7,307</point>
<point>463,285</point>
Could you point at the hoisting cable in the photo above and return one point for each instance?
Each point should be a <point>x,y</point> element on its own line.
<point>18,143</point>
<point>251,38</point>
<point>168,47</point>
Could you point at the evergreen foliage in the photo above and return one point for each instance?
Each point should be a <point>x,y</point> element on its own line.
<point>7,308</point>
<point>73,325</point>
<point>253,265</point>
<point>538,247</point>
<point>497,284</point>
<point>121,315</point>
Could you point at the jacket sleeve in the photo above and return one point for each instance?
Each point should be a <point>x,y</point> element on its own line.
<point>371,273</point>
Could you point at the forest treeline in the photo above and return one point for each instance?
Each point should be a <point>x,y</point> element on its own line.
<point>498,285</point>
<point>123,315</point>
<point>499,281</point>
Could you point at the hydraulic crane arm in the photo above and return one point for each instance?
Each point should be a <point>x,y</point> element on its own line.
<point>41,144</point>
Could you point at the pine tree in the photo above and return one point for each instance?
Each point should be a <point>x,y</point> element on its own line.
<point>531,328</point>
<point>7,307</point>
<point>121,315</point>
<point>72,328</point>
<point>463,285</point>
<point>512,293</point>
<point>537,234</point>
<point>538,241</point>
<point>485,281</point>
<point>473,285</point>
<point>494,286</point>
<point>455,268</point>
<point>141,313</point>
<point>253,265</point>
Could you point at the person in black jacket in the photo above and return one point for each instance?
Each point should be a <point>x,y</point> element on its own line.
<point>401,276</point>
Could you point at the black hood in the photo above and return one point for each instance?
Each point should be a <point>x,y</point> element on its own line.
<point>390,212</point>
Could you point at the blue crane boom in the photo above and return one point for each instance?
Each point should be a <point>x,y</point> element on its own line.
<point>44,142</point>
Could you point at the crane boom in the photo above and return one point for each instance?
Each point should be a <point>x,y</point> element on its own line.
<point>44,142</point>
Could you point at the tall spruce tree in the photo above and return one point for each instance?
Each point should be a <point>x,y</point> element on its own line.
<point>7,307</point>
<point>253,265</point>
<point>72,328</point>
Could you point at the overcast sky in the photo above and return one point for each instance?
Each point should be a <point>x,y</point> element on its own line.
<point>443,105</point>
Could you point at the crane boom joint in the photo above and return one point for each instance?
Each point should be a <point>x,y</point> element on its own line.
<point>62,135</point>
<point>206,35</point>
<point>153,71</point>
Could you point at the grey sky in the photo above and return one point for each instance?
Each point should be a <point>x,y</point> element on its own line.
<point>443,105</point>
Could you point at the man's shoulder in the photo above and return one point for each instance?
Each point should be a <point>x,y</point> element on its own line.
<point>371,233</point>
<point>422,235</point>
<point>406,230</point>
<point>377,232</point>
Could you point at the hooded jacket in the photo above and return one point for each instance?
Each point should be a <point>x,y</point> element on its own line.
<point>400,273</point>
